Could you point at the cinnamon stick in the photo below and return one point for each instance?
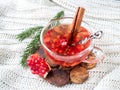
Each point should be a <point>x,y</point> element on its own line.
<point>76,22</point>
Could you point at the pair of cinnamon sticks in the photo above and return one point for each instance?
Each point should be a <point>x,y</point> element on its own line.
<point>76,22</point>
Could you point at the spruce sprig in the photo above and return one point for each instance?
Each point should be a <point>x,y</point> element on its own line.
<point>28,33</point>
<point>31,48</point>
<point>35,43</point>
<point>58,15</point>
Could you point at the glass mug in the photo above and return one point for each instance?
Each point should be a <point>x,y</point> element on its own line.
<point>70,60</point>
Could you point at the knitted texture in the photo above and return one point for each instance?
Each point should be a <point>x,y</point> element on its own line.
<point>18,15</point>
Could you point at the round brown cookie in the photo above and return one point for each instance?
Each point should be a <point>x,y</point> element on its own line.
<point>88,65</point>
<point>41,52</point>
<point>91,58</point>
<point>66,68</point>
<point>78,75</point>
<point>58,77</point>
<point>51,63</point>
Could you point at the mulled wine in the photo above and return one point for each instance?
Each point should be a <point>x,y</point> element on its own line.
<point>61,50</point>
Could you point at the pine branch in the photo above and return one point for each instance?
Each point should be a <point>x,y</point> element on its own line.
<point>31,48</point>
<point>58,15</point>
<point>28,33</point>
<point>34,44</point>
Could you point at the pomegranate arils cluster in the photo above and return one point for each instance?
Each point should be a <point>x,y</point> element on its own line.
<point>38,65</point>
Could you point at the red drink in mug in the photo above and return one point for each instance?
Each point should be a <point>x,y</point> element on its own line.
<point>55,41</point>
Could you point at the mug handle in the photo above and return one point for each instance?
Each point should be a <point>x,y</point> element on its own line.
<point>99,56</point>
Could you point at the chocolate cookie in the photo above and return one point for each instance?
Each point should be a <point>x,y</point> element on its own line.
<point>58,77</point>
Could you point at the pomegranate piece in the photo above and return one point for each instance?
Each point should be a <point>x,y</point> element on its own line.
<point>38,65</point>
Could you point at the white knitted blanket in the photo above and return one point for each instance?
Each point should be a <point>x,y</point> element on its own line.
<point>18,15</point>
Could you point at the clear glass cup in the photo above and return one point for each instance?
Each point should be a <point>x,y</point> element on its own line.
<point>71,60</point>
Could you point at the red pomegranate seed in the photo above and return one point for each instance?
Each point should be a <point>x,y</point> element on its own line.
<point>38,65</point>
